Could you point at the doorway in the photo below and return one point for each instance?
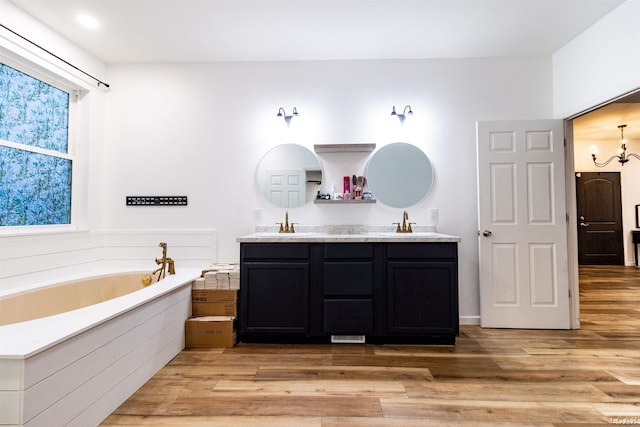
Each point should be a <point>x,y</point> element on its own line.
<point>597,127</point>
<point>599,210</point>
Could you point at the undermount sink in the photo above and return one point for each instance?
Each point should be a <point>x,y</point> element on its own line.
<point>276,233</point>
<point>413,233</point>
<point>346,230</point>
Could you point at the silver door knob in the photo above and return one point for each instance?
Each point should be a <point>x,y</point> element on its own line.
<point>582,224</point>
<point>487,233</point>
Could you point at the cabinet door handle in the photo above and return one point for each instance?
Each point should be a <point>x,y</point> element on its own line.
<point>582,224</point>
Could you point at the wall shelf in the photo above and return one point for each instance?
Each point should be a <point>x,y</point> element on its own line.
<point>341,202</point>
<point>344,148</point>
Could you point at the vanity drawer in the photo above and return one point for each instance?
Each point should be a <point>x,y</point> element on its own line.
<point>443,250</point>
<point>287,251</point>
<point>349,278</point>
<point>348,316</point>
<point>348,250</point>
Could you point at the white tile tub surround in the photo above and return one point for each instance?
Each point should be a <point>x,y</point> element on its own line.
<point>75,368</point>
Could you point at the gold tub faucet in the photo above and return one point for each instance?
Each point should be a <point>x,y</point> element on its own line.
<point>163,263</point>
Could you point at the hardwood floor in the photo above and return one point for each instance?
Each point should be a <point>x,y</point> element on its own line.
<point>492,377</point>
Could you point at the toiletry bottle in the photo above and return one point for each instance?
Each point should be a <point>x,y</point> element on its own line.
<point>333,191</point>
<point>346,187</point>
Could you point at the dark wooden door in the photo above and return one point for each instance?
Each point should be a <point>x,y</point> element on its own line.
<point>599,218</point>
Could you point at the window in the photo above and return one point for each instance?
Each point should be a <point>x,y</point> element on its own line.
<point>36,163</point>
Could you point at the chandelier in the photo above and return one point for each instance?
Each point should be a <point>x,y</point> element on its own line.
<point>622,156</point>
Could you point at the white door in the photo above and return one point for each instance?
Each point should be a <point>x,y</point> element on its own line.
<point>522,225</point>
<point>286,188</point>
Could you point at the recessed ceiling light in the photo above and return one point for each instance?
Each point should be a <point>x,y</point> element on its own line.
<point>87,21</point>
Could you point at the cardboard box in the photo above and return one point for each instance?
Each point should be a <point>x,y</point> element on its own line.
<point>210,331</point>
<point>214,302</point>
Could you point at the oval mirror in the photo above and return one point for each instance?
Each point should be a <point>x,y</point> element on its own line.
<point>289,175</point>
<point>399,175</point>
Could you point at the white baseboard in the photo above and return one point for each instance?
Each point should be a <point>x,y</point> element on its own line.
<point>469,320</point>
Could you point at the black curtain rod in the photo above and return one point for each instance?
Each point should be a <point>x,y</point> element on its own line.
<point>100,82</point>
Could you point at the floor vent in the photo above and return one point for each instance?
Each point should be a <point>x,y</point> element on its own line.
<point>347,339</point>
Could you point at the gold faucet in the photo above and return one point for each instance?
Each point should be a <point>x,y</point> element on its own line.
<point>406,226</point>
<point>163,262</point>
<point>286,228</point>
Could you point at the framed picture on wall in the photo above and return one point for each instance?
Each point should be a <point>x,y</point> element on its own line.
<point>637,216</point>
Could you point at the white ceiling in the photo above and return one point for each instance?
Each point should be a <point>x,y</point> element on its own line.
<point>283,30</point>
<point>134,31</point>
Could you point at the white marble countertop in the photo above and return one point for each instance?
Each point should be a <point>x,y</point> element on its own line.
<point>346,234</point>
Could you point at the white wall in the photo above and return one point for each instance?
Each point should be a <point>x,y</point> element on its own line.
<point>25,258</point>
<point>600,64</point>
<point>33,259</point>
<point>201,129</point>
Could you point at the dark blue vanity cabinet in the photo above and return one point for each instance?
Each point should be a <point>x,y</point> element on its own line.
<point>422,290</point>
<point>274,291</point>
<point>350,277</point>
<point>388,292</point>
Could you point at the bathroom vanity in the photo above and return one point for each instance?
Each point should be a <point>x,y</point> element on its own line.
<point>348,283</point>
<point>377,287</point>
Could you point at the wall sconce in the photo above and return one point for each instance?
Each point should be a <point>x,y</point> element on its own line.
<point>406,112</point>
<point>622,156</point>
<point>287,119</point>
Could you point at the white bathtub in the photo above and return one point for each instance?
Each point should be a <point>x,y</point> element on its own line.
<point>76,367</point>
